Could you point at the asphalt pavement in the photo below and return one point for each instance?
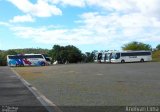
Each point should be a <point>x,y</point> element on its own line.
<point>15,96</point>
<point>99,84</point>
<point>94,87</point>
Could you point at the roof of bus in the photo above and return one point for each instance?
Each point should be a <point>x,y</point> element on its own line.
<point>106,52</point>
<point>32,54</point>
<point>23,54</point>
<point>128,51</point>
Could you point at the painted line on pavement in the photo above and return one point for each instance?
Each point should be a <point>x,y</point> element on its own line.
<point>49,105</point>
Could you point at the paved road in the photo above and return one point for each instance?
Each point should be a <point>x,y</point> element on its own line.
<point>14,94</point>
<point>99,84</point>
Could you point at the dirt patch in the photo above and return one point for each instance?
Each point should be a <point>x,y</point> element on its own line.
<point>30,73</point>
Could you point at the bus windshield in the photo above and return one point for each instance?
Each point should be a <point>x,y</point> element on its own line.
<point>104,56</point>
<point>99,56</point>
<point>115,56</point>
<point>13,57</point>
<point>96,56</point>
<point>48,59</point>
<point>108,56</point>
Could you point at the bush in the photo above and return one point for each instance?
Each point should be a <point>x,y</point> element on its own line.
<point>156,55</point>
<point>3,63</point>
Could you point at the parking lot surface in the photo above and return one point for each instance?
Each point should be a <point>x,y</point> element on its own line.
<point>97,84</point>
<point>14,95</point>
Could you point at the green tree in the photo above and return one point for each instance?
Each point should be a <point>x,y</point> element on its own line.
<point>156,55</point>
<point>3,58</point>
<point>31,50</point>
<point>136,46</point>
<point>74,54</point>
<point>68,53</point>
<point>90,56</point>
<point>11,52</point>
<point>55,53</point>
<point>158,47</point>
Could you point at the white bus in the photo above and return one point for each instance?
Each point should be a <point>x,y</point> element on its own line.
<point>131,56</point>
<point>106,57</point>
<point>26,60</point>
<point>98,57</point>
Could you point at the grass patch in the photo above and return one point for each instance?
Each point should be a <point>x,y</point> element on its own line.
<point>156,59</point>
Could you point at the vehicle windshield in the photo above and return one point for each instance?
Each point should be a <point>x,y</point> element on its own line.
<point>13,57</point>
<point>96,56</point>
<point>103,56</point>
<point>108,56</point>
<point>45,55</point>
<point>99,56</point>
<point>48,59</point>
<point>115,56</point>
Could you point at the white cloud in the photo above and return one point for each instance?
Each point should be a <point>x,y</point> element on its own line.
<point>24,18</point>
<point>135,22</point>
<point>111,4</point>
<point>145,7</point>
<point>58,36</point>
<point>76,3</point>
<point>5,24</point>
<point>121,21</point>
<point>46,8</point>
<point>113,30</point>
<point>41,9</point>
<point>149,7</point>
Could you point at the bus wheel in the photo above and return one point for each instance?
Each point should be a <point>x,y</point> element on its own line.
<point>122,61</point>
<point>142,60</point>
<point>43,64</point>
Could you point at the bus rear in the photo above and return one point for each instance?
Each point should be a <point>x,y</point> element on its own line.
<point>14,60</point>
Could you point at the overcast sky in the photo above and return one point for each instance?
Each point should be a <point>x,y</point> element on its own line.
<point>87,24</point>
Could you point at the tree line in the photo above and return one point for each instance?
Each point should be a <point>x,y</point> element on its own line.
<point>71,54</point>
<point>62,54</point>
